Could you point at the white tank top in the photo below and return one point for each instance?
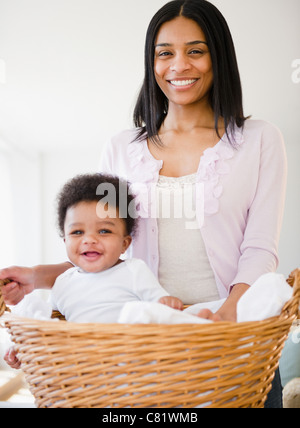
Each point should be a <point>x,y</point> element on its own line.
<point>184,268</point>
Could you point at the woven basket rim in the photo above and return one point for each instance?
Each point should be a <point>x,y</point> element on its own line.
<point>140,329</point>
<point>290,310</point>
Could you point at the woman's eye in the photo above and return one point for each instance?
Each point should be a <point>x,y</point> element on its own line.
<point>164,54</point>
<point>196,52</point>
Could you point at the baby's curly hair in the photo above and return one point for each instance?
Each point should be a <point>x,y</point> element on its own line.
<point>87,187</point>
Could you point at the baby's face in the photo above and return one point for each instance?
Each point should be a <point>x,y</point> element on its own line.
<point>94,238</point>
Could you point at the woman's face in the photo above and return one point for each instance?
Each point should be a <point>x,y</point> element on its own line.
<point>182,64</point>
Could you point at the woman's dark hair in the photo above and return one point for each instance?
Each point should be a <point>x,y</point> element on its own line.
<point>95,187</point>
<point>226,93</point>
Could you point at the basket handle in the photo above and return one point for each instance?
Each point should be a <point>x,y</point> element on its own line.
<point>292,307</point>
<point>3,307</point>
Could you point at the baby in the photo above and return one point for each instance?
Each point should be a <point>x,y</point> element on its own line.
<point>96,218</point>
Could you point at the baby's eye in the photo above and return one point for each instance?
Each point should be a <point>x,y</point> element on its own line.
<point>77,232</point>
<point>104,231</point>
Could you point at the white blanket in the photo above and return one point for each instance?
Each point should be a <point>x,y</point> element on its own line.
<point>33,306</point>
<point>263,300</point>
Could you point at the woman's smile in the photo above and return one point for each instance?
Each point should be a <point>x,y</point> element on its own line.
<point>182,84</point>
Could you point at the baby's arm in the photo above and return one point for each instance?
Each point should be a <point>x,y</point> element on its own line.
<point>172,302</point>
<point>147,287</point>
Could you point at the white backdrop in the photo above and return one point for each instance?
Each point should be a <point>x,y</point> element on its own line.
<point>70,71</point>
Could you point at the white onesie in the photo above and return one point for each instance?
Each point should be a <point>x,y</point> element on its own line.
<point>99,297</point>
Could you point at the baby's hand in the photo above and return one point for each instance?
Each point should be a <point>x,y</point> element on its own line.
<point>172,302</point>
<point>11,359</point>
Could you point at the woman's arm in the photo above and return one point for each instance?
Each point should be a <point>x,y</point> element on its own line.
<point>25,280</point>
<point>259,249</point>
<point>228,312</point>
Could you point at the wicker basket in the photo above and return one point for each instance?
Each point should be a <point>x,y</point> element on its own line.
<point>3,307</point>
<point>111,365</point>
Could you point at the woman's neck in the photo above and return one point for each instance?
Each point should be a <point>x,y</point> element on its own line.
<point>188,118</point>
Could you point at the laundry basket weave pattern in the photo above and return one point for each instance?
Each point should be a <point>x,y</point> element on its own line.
<point>112,365</point>
<point>3,307</point>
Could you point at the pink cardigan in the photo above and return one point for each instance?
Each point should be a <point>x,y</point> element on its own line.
<point>244,195</point>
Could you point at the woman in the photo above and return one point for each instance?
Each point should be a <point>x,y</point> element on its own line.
<point>191,127</point>
<point>191,133</point>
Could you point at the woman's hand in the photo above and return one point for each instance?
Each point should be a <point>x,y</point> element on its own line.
<point>228,311</point>
<point>25,280</point>
<point>22,283</point>
<point>207,314</point>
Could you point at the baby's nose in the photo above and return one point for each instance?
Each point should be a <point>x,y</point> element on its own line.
<point>90,238</point>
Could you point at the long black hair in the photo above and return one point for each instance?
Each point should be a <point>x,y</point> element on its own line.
<point>226,93</point>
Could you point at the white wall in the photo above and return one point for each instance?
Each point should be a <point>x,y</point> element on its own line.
<point>21,207</point>
<point>58,167</point>
<point>73,69</point>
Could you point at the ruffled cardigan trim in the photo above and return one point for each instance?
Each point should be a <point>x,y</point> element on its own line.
<point>213,164</point>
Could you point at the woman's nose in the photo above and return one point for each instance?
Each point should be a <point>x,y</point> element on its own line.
<point>180,63</point>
